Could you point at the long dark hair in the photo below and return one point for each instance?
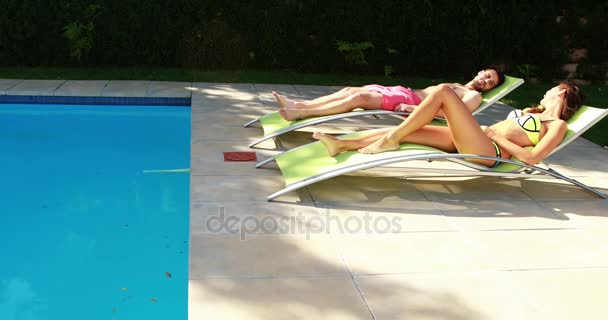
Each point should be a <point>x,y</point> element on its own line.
<point>572,100</point>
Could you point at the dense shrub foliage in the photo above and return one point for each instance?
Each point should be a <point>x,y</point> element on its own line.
<point>417,37</point>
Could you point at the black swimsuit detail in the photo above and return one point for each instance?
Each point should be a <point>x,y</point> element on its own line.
<point>498,155</point>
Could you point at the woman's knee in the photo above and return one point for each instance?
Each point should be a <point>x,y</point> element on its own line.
<point>444,92</point>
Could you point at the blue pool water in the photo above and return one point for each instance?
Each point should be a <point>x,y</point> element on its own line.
<point>86,231</point>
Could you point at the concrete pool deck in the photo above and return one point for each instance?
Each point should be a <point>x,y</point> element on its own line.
<point>357,247</point>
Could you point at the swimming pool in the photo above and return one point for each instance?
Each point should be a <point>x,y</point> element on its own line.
<point>94,223</point>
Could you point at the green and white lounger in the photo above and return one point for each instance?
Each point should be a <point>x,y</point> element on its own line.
<point>310,163</point>
<point>274,125</point>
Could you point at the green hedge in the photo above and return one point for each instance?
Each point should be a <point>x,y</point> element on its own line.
<point>418,37</point>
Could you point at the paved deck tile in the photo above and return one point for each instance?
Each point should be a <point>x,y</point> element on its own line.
<point>6,84</point>
<point>539,249</point>
<point>170,89</point>
<point>263,255</point>
<point>126,88</point>
<point>240,188</point>
<point>503,215</point>
<point>459,296</point>
<point>335,298</point>
<point>34,87</point>
<point>565,294</point>
<point>92,88</point>
<point>412,252</point>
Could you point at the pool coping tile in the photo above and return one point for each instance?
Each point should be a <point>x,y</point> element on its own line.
<point>35,87</point>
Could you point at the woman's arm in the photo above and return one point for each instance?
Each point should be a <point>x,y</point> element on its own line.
<point>554,136</point>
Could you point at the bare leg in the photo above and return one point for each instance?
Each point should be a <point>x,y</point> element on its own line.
<point>434,136</point>
<point>287,103</point>
<point>336,146</point>
<point>466,134</point>
<point>365,100</point>
<point>283,101</point>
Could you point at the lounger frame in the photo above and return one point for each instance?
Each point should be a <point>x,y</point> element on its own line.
<point>523,171</point>
<point>453,157</point>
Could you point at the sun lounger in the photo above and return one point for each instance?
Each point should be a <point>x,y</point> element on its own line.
<point>274,125</point>
<point>310,163</point>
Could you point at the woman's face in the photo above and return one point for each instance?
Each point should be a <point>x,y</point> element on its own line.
<point>553,93</point>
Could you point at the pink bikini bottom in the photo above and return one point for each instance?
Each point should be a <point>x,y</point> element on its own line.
<point>392,96</point>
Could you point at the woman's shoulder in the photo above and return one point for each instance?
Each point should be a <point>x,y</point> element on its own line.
<point>556,124</point>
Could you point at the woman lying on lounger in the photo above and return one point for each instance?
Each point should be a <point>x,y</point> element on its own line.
<point>374,97</point>
<point>543,127</point>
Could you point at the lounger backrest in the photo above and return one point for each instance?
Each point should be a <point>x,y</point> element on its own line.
<point>584,118</point>
<point>493,95</point>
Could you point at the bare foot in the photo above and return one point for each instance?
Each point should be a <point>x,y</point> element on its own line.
<point>291,114</point>
<point>381,145</point>
<point>283,101</point>
<point>331,143</point>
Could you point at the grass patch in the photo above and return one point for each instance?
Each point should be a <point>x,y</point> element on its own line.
<point>526,95</point>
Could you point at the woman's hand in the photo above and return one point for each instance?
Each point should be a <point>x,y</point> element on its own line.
<point>490,133</point>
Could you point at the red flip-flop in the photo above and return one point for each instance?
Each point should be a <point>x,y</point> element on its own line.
<point>240,156</point>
